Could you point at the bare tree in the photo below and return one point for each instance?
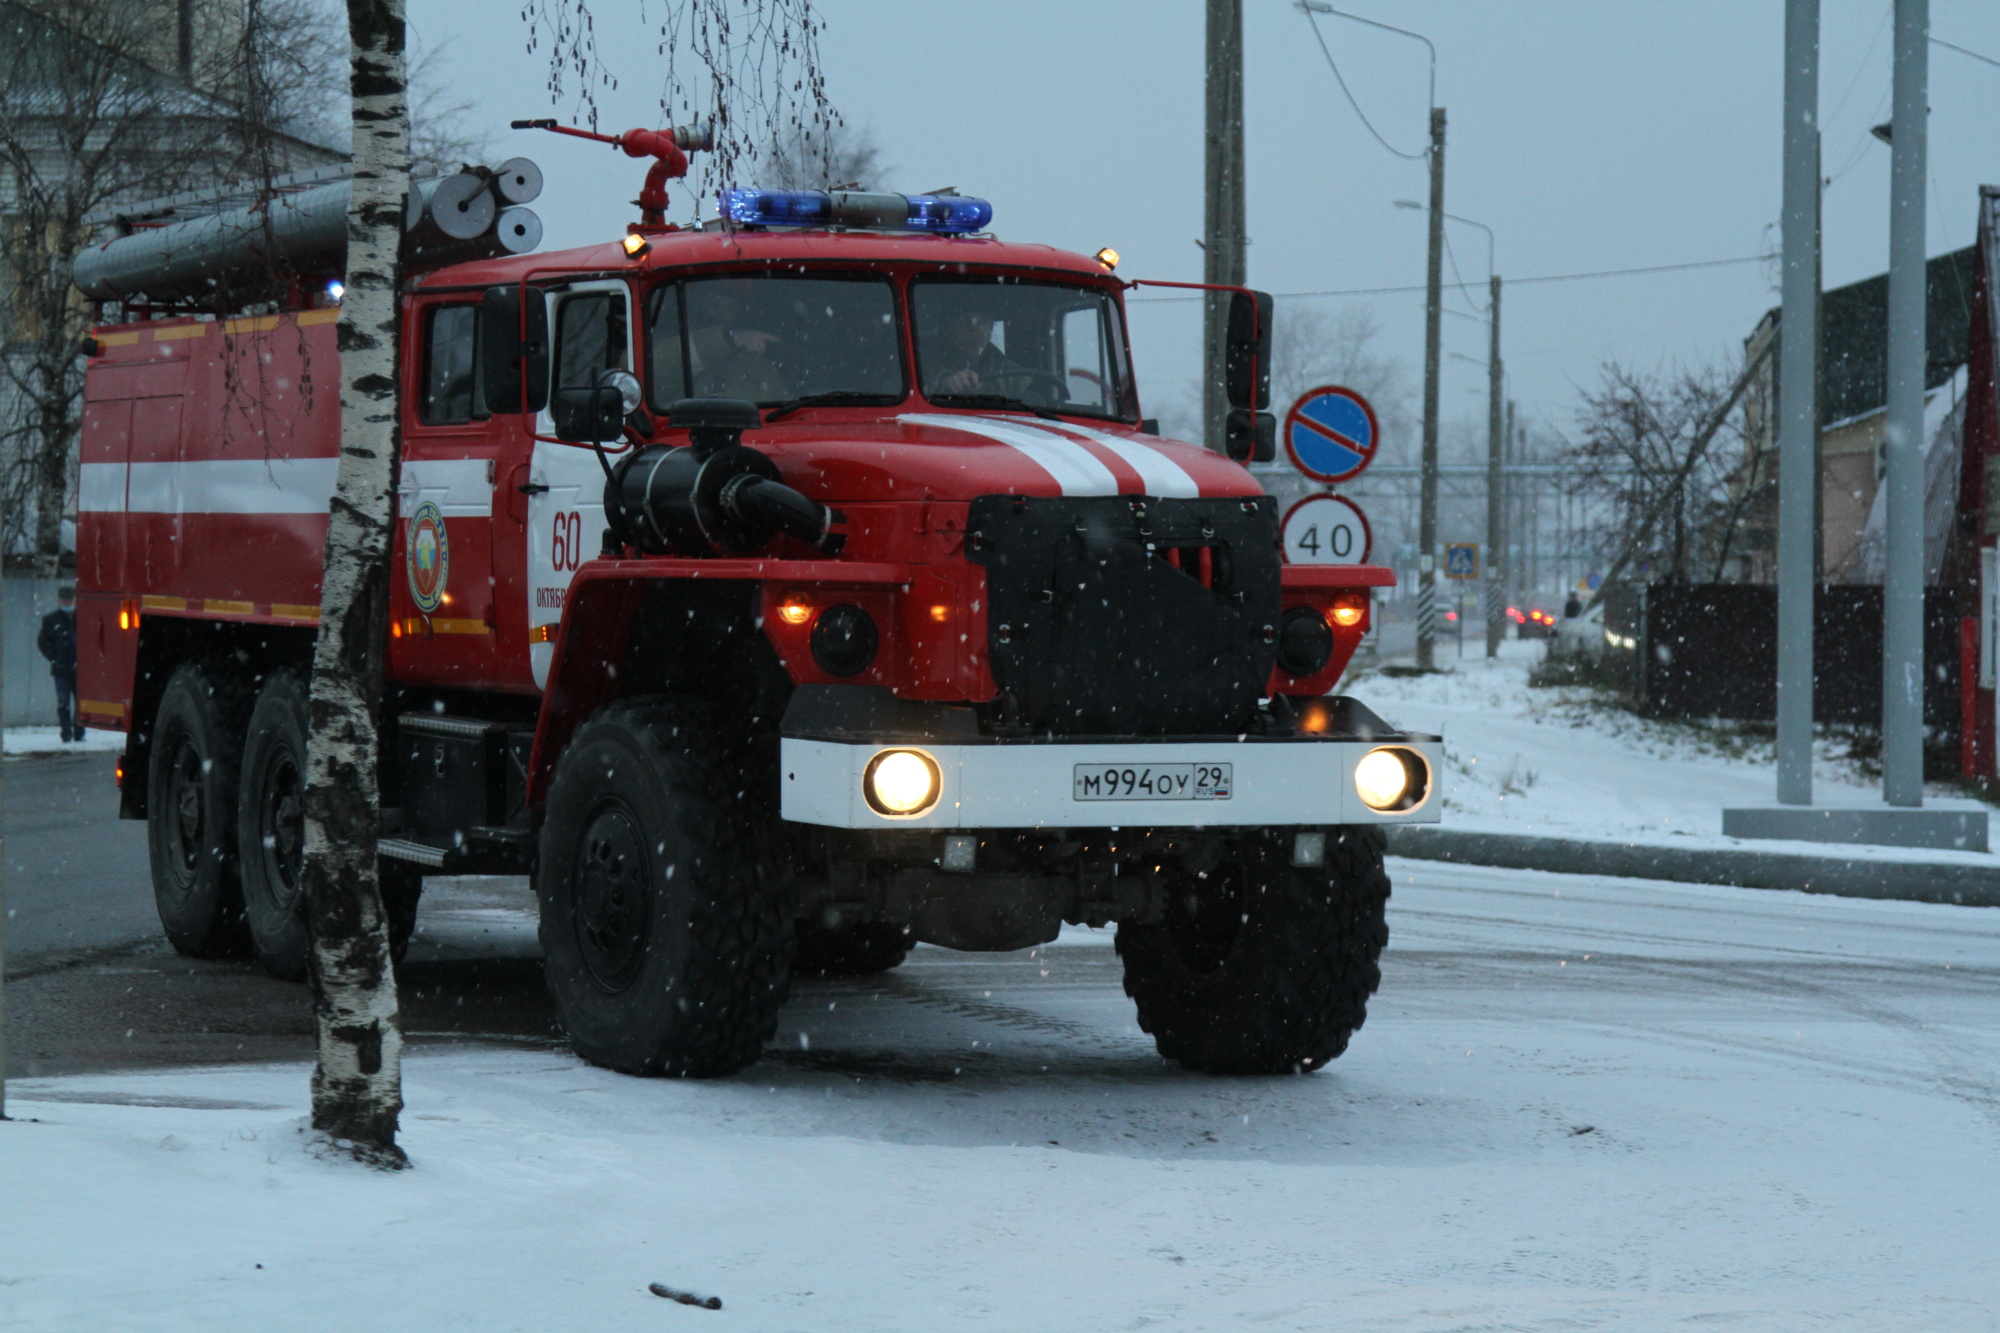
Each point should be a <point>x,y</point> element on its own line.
<point>100,105</point>
<point>357,1083</point>
<point>1665,460</point>
<point>836,158</point>
<point>749,68</point>
<point>1311,346</point>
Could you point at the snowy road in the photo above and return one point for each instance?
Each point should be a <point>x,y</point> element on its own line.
<point>1578,1103</point>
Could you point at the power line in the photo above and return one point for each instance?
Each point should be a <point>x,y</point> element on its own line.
<point>1961,50</point>
<point>1321,38</point>
<point>1511,282</point>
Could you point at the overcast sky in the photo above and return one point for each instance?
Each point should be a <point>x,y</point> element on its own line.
<point>1589,136</point>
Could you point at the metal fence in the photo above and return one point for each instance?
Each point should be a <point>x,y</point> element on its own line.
<point>1711,650</point>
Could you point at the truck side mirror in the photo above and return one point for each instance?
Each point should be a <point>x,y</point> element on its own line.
<point>1250,437</point>
<point>504,353</point>
<point>1247,351</point>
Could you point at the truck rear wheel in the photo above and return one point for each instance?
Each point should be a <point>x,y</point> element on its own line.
<point>191,798</point>
<point>856,949</point>
<point>1263,967</point>
<point>270,823</point>
<point>666,946</point>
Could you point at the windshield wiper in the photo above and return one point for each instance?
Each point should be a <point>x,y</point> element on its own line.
<point>993,400</point>
<point>834,397</point>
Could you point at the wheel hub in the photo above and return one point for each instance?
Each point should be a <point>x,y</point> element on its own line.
<point>613,881</point>
<point>284,832</point>
<point>186,801</point>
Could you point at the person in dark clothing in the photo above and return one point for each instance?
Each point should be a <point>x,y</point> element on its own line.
<point>1572,608</point>
<point>58,643</point>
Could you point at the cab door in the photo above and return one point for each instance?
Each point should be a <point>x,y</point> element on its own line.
<point>591,324</point>
<point>442,626</point>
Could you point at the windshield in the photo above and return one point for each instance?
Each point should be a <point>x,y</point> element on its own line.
<point>775,338</point>
<point>1042,344</point>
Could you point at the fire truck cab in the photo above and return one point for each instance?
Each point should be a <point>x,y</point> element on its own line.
<point>777,594</point>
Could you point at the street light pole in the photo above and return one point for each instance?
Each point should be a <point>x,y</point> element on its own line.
<point>1427,493</point>
<point>1496,507</point>
<point>1903,443</point>
<point>1798,419</point>
<point>1223,233</point>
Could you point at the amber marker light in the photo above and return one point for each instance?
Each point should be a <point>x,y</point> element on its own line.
<point>940,613</point>
<point>1349,611</point>
<point>795,608</point>
<point>636,246</point>
<point>902,782</point>
<point>1108,257</point>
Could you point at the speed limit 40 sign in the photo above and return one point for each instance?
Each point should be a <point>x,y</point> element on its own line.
<point>1327,530</point>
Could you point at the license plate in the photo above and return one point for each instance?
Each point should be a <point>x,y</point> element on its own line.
<point>1152,782</point>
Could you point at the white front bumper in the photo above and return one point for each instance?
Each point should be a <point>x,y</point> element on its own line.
<point>1032,784</point>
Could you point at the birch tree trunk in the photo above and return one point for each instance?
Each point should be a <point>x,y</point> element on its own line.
<point>357,1086</point>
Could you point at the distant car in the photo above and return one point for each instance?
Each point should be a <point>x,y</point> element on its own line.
<point>1580,635</point>
<point>1532,624</point>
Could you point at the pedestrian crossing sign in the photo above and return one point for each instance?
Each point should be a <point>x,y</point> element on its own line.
<point>1461,560</point>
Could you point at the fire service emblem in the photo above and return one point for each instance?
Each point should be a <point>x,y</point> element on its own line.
<point>428,557</point>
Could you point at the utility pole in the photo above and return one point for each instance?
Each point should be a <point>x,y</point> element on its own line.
<point>1427,501</point>
<point>1798,424</point>
<point>1223,240</point>
<point>3,929</point>
<point>1903,444</point>
<point>1496,499</point>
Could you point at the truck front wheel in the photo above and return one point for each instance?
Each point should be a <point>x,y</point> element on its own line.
<point>1262,967</point>
<point>667,949</point>
<point>191,785</point>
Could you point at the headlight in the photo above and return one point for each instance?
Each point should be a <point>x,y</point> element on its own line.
<point>1390,779</point>
<point>901,782</point>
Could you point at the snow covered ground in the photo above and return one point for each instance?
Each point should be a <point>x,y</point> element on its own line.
<point>47,740</point>
<point>1556,761</point>
<point>1579,1103</point>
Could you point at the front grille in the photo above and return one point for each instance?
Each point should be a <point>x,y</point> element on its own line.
<point>1129,615</point>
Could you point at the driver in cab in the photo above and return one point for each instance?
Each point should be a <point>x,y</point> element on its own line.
<point>730,354</point>
<point>971,363</point>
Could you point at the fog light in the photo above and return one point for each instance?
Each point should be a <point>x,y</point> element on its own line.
<point>961,851</point>
<point>844,640</point>
<point>1305,644</point>
<point>1391,779</point>
<point>901,782</point>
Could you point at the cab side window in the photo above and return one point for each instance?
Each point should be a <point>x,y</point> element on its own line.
<point>590,339</point>
<point>453,394</point>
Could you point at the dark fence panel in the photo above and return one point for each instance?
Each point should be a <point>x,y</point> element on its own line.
<point>1711,650</point>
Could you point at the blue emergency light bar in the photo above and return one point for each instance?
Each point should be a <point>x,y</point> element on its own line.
<point>939,214</point>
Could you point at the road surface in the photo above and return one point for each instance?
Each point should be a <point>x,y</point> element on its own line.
<point>1578,1103</point>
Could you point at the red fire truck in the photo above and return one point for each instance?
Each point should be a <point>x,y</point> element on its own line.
<point>777,593</point>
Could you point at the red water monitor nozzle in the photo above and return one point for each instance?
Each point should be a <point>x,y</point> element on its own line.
<point>668,148</point>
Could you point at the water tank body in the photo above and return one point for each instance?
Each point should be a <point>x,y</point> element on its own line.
<point>254,252</point>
